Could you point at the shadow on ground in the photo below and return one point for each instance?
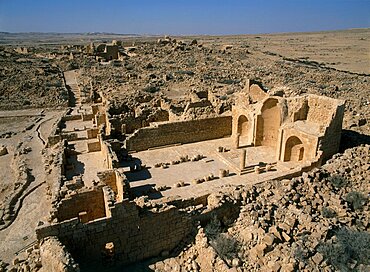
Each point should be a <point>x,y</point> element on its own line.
<point>352,139</point>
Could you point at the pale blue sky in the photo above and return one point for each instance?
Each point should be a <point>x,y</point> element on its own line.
<point>182,16</point>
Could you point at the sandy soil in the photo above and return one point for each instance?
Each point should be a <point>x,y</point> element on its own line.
<point>34,202</point>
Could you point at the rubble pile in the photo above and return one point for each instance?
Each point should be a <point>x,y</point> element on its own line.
<point>308,223</point>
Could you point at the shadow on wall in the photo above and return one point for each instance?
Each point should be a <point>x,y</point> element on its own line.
<point>143,174</point>
<point>148,190</point>
<point>74,167</point>
<point>72,98</point>
<point>351,139</point>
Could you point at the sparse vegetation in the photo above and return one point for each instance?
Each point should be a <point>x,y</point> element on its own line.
<point>225,245</point>
<point>213,228</point>
<point>349,251</point>
<point>338,181</point>
<point>328,212</point>
<point>301,254</point>
<point>356,199</point>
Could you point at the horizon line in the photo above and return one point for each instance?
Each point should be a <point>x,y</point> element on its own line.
<point>168,34</point>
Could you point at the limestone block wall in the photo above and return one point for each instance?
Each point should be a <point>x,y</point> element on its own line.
<point>321,109</point>
<point>93,147</point>
<point>90,201</point>
<point>92,133</point>
<point>100,119</point>
<point>137,233</point>
<point>109,178</point>
<point>70,136</point>
<point>198,104</point>
<point>87,117</point>
<point>123,185</point>
<point>55,136</point>
<point>179,132</point>
<point>243,125</point>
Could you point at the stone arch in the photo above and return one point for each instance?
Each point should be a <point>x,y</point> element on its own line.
<point>268,124</point>
<point>294,149</point>
<point>243,130</point>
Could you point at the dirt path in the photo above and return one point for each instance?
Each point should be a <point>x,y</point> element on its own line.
<point>75,92</point>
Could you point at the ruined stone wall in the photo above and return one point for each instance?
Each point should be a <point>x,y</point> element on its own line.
<point>108,177</point>
<point>71,117</point>
<point>137,233</point>
<point>90,201</point>
<point>55,136</point>
<point>331,141</point>
<point>87,117</point>
<point>321,109</point>
<point>179,132</point>
<point>110,157</point>
<point>54,257</point>
<point>198,104</point>
<point>53,140</point>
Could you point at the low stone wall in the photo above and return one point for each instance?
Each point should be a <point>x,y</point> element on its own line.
<point>179,132</point>
<point>87,117</point>
<point>108,177</point>
<point>71,117</point>
<point>70,136</point>
<point>53,140</point>
<point>55,136</point>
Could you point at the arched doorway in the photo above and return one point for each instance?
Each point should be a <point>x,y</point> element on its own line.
<point>243,130</point>
<point>268,124</point>
<point>294,149</point>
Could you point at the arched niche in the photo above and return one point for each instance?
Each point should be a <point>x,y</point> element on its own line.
<point>243,130</point>
<point>268,124</point>
<point>294,149</point>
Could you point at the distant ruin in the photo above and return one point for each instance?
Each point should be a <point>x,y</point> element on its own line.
<point>103,51</point>
<point>125,184</point>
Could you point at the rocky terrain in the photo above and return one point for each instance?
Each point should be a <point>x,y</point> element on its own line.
<point>316,222</point>
<point>172,68</point>
<point>28,79</point>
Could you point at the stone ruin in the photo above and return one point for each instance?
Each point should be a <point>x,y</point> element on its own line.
<point>303,128</point>
<point>126,189</point>
<point>103,51</point>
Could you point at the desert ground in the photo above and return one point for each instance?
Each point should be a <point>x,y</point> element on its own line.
<point>298,224</point>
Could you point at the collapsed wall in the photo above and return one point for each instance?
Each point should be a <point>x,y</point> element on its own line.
<point>55,258</point>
